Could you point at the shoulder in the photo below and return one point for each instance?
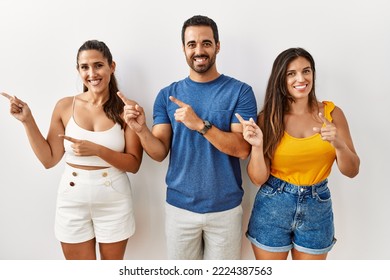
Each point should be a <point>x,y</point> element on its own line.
<point>175,84</point>
<point>65,102</point>
<point>235,81</point>
<point>335,112</point>
<point>63,108</point>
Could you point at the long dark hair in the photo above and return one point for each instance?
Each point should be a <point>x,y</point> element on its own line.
<point>277,99</point>
<point>113,107</point>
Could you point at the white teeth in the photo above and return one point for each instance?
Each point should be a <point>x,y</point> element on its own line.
<point>94,82</point>
<point>300,87</point>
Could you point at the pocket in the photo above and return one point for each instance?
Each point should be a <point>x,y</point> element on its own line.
<point>222,119</point>
<point>121,184</point>
<point>323,195</point>
<point>267,190</point>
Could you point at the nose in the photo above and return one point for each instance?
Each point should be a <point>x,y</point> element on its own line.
<point>299,77</point>
<point>91,71</point>
<point>199,49</point>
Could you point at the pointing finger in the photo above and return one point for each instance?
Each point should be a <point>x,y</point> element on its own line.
<point>14,100</point>
<point>123,98</point>
<point>6,95</point>
<point>317,129</point>
<point>238,116</point>
<point>324,120</point>
<point>177,101</point>
<point>73,140</point>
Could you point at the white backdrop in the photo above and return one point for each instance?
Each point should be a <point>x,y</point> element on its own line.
<point>39,39</point>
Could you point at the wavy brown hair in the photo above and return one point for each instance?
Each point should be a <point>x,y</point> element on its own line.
<point>113,107</point>
<point>277,99</point>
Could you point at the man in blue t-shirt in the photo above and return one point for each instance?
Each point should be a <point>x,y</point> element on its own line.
<point>194,121</point>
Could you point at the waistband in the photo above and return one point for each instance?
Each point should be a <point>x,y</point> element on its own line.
<point>92,174</point>
<point>282,185</point>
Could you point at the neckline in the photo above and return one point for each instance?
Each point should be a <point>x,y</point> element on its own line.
<point>101,131</point>
<point>204,83</point>
<point>303,138</point>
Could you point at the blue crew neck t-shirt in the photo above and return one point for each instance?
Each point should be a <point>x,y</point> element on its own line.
<point>200,178</point>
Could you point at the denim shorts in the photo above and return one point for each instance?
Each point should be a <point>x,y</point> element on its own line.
<point>287,216</point>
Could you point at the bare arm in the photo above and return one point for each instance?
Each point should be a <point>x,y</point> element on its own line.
<point>338,134</point>
<point>155,142</point>
<point>231,143</point>
<point>258,167</point>
<point>49,151</point>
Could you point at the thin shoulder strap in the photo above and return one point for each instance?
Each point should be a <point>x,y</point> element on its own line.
<point>74,100</point>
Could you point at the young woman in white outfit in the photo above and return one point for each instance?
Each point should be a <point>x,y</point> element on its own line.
<point>94,203</point>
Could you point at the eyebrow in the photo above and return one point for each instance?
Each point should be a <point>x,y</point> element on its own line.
<point>96,62</point>
<point>204,41</point>
<point>293,70</point>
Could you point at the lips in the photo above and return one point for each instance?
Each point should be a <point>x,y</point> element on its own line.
<point>200,59</point>
<point>94,82</point>
<point>300,87</point>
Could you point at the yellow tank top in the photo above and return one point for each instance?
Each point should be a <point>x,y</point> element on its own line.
<point>304,161</point>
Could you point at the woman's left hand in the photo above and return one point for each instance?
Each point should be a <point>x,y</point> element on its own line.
<point>328,132</point>
<point>81,147</point>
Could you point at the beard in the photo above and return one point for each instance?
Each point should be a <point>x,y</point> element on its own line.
<point>203,68</point>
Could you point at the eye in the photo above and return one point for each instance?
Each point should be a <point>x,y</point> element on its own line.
<point>191,45</point>
<point>207,44</point>
<point>290,74</point>
<point>306,71</point>
<point>84,67</point>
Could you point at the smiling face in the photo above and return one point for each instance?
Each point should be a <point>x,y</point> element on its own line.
<point>95,70</point>
<point>299,78</point>
<point>200,49</point>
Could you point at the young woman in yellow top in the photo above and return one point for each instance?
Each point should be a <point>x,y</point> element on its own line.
<point>294,144</point>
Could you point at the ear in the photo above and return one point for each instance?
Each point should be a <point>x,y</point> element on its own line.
<point>113,66</point>
<point>218,47</point>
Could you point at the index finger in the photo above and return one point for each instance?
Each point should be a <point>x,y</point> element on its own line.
<point>324,120</point>
<point>6,95</point>
<point>177,101</point>
<point>73,140</point>
<point>238,116</point>
<point>123,98</point>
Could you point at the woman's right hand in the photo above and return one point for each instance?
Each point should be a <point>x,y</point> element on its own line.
<point>18,108</point>
<point>251,131</point>
<point>133,114</point>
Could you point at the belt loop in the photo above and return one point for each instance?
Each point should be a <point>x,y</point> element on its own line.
<point>281,187</point>
<point>314,190</point>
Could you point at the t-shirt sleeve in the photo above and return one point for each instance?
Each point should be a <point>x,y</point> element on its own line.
<point>160,112</point>
<point>246,105</point>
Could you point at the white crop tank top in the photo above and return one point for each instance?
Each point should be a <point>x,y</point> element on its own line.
<point>113,138</point>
